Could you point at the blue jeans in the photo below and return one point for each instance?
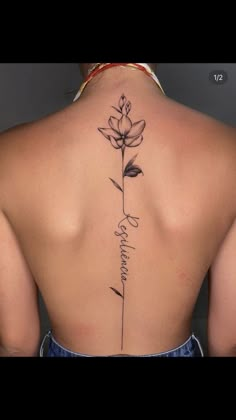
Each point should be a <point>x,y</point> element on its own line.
<point>191,348</point>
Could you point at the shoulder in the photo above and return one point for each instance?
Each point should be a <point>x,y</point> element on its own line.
<point>210,134</point>
<point>19,141</point>
<point>13,145</point>
<point>22,147</point>
<point>29,147</point>
<point>192,115</point>
<point>217,151</point>
<point>203,145</point>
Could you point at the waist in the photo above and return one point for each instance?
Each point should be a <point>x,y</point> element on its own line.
<point>190,348</point>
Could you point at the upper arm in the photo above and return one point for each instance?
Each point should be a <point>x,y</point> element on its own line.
<point>222,298</point>
<point>19,318</point>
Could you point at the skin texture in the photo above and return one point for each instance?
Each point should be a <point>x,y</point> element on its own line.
<point>59,211</point>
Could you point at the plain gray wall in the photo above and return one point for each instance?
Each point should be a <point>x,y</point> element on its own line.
<point>30,91</point>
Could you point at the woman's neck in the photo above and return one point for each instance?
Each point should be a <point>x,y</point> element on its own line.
<point>86,67</point>
<point>120,78</point>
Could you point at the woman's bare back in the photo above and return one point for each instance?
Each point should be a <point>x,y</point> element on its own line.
<point>119,260</point>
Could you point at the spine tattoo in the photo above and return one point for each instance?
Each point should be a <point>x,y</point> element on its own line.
<point>122,133</point>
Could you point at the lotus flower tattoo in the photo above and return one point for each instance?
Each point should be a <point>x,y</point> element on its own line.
<point>122,133</point>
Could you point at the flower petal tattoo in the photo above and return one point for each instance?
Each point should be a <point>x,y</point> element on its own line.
<point>123,133</point>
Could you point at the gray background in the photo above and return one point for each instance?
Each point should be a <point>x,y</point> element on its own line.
<point>31,91</point>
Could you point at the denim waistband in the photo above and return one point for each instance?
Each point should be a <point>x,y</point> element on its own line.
<point>190,348</point>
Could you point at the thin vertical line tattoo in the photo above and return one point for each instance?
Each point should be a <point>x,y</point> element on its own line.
<point>121,134</point>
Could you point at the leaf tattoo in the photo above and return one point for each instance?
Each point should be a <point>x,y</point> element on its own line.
<point>131,161</point>
<point>116,291</point>
<point>116,185</point>
<point>123,133</point>
<point>133,171</point>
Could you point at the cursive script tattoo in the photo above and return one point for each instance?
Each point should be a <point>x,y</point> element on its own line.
<point>123,133</point>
